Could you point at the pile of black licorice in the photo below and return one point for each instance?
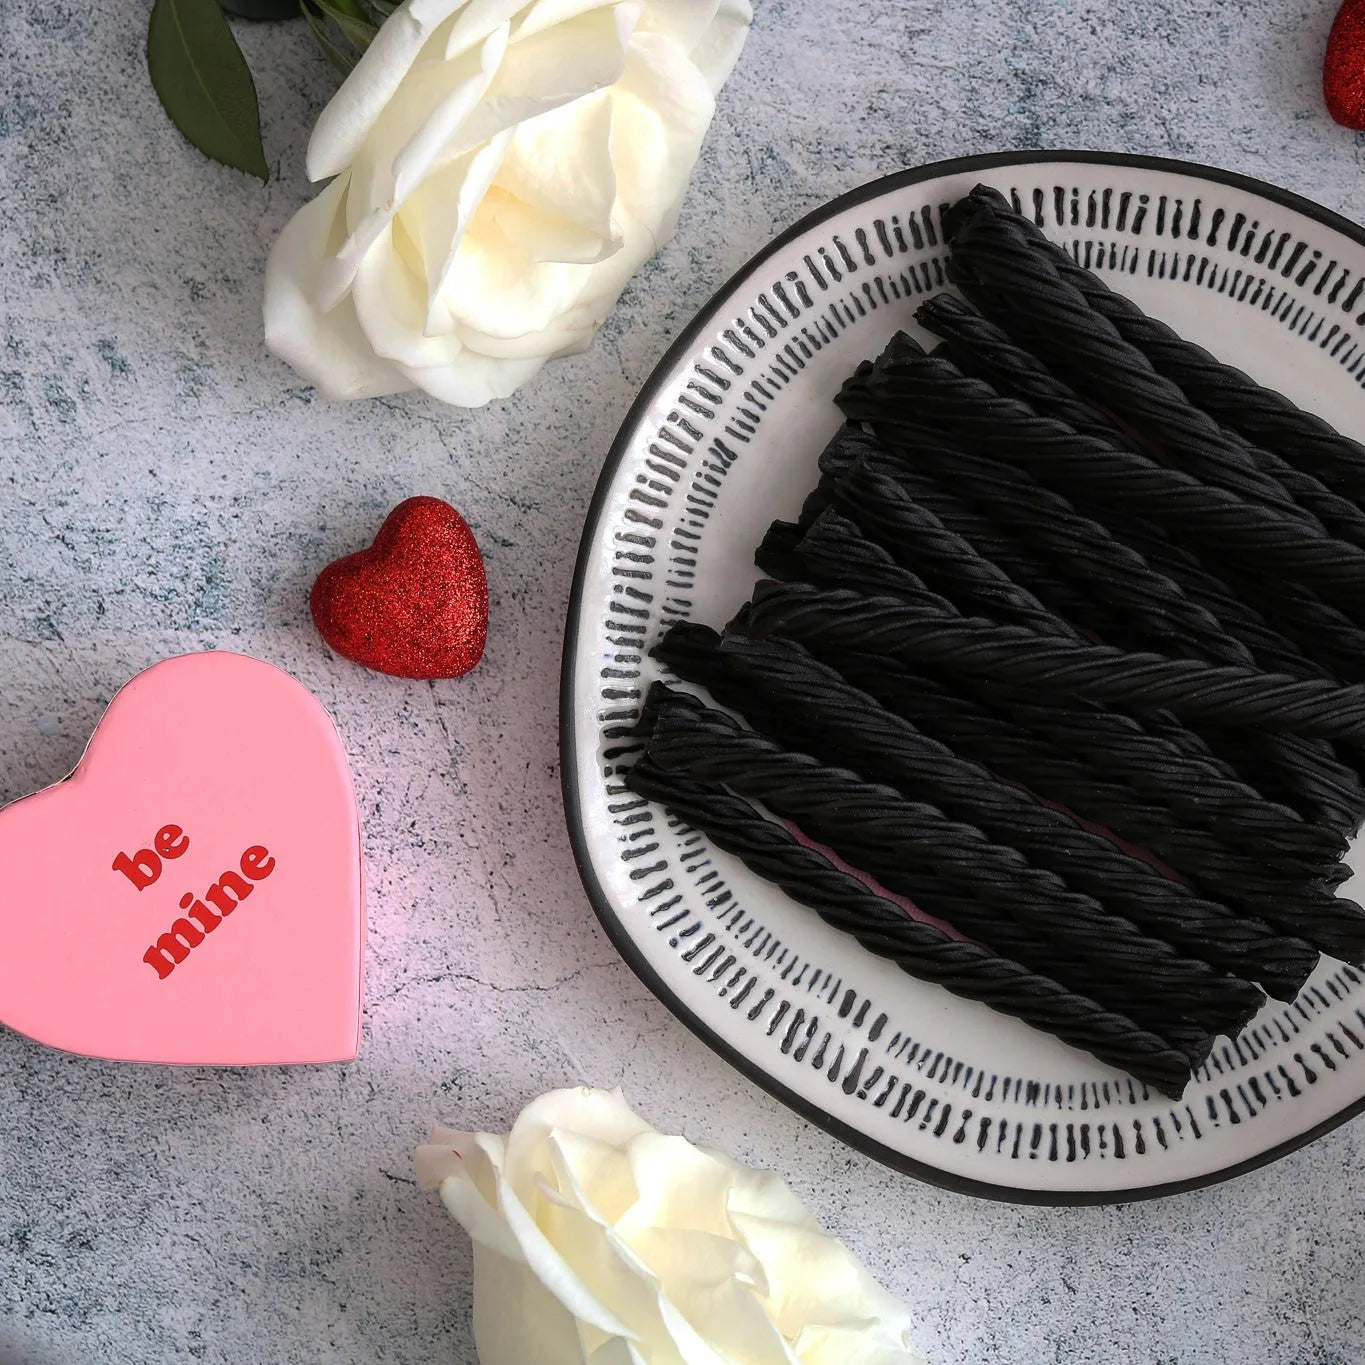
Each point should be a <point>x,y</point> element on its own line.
<point>1065,577</point>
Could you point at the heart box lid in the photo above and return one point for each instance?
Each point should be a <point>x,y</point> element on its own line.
<point>193,892</point>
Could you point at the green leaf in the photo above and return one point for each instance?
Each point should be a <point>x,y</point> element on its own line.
<point>358,31</point>
<point>352,7</point>
<point>203,82</point>
<point>342,61</point>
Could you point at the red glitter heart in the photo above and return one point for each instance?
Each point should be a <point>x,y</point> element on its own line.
<point>415,604</point>
<point>1343,68</point>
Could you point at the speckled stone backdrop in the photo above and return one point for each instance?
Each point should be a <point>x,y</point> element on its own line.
<point>167,486</point>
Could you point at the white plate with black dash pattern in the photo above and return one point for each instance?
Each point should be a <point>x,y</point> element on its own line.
<point>723,439</point>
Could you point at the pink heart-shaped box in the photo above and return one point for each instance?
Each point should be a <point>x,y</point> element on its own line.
<point>227,778</point>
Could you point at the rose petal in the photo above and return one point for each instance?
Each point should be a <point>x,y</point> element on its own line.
<point>560,166</point>
<point>475,21</point>
<point>473,380</point>
<point>574,58</point>
<point>663,109</point>
<point>494,289</point>
<point>345,123</point>
<point>680,1186</point>
<point>864,1345</point>
<point>544,14</point>
<point>328,349</point>
<point>517,1321</point>
<point>551,1267</point>
<point>617,1351</point>
<point>814,1278</point>
<point>719,48</point>
<point>596,1173</point>
<point>602,1113</point>
<point>709,1281</point>
<point>439,214</point>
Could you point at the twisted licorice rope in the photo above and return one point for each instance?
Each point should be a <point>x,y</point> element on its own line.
<point>1268,648</point>
<point>839,455</point>
<point>983,350</point>
<point>776,554</point>
<point>1223,857</point>
<point>990,539</point>
<point>952,870</point>
<point>1148,604</point>
<point>1020,658</point>
<point>1313,777</point>
<point>834,554</point>
<point>925,634</point>
<point>793,698</point>
<point>921,950</point>
<point>1152,608</point>
<point>1262,415</point>
<point>1113,742</point>
<point>1322,631</point>
<point>994,221</point>
<point>1021,288</point>
<point>1093,473</point>
<point>890,502</point>
<point>1337,653</point>
<point>915,537</point>
<point>1136,607</point>
<point>1226,859</point>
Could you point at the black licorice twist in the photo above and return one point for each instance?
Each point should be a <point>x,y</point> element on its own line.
<point>990,539</point>
<point>1152,611</point>
<point>1216,862</point>
<point>833,554</point>
<point>1212,590</point>
<point>890,503</point>
<point>1151,762</point>
<point>839,455</point>
<point>1142,608</point>
<point>1096,474</point>
<point>1021,658</point>
<point>919,949</point>
<point>1023,250</point>
<point>790,697</point>
<point>916,538</point>
<point>1324,633</point>
<point>1023,289</point>
<point>838,621</point>
<point>954,872</point>
<point>982,349</point>
<point>1145,602</point>
<point>1044,747</point>
<point>1326,783</point>
<point>1262,415</point>
<point>1216,856</point>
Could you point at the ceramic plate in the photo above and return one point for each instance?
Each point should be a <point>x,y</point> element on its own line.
<point>723,439</point>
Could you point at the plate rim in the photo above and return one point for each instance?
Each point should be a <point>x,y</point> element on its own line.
<point>607,916</point>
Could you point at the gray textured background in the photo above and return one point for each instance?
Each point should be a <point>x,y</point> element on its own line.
<point>166,486</point>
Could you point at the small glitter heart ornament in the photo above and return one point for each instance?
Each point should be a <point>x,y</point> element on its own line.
<point>415,604</point>
<point>1343,68</point>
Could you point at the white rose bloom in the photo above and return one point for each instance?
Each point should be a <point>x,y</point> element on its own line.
<point>600,1241</point>
<point>502,168</point>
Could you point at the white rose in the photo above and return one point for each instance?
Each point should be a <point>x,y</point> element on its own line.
<point>600,1241</point>
<point>503,167</point>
